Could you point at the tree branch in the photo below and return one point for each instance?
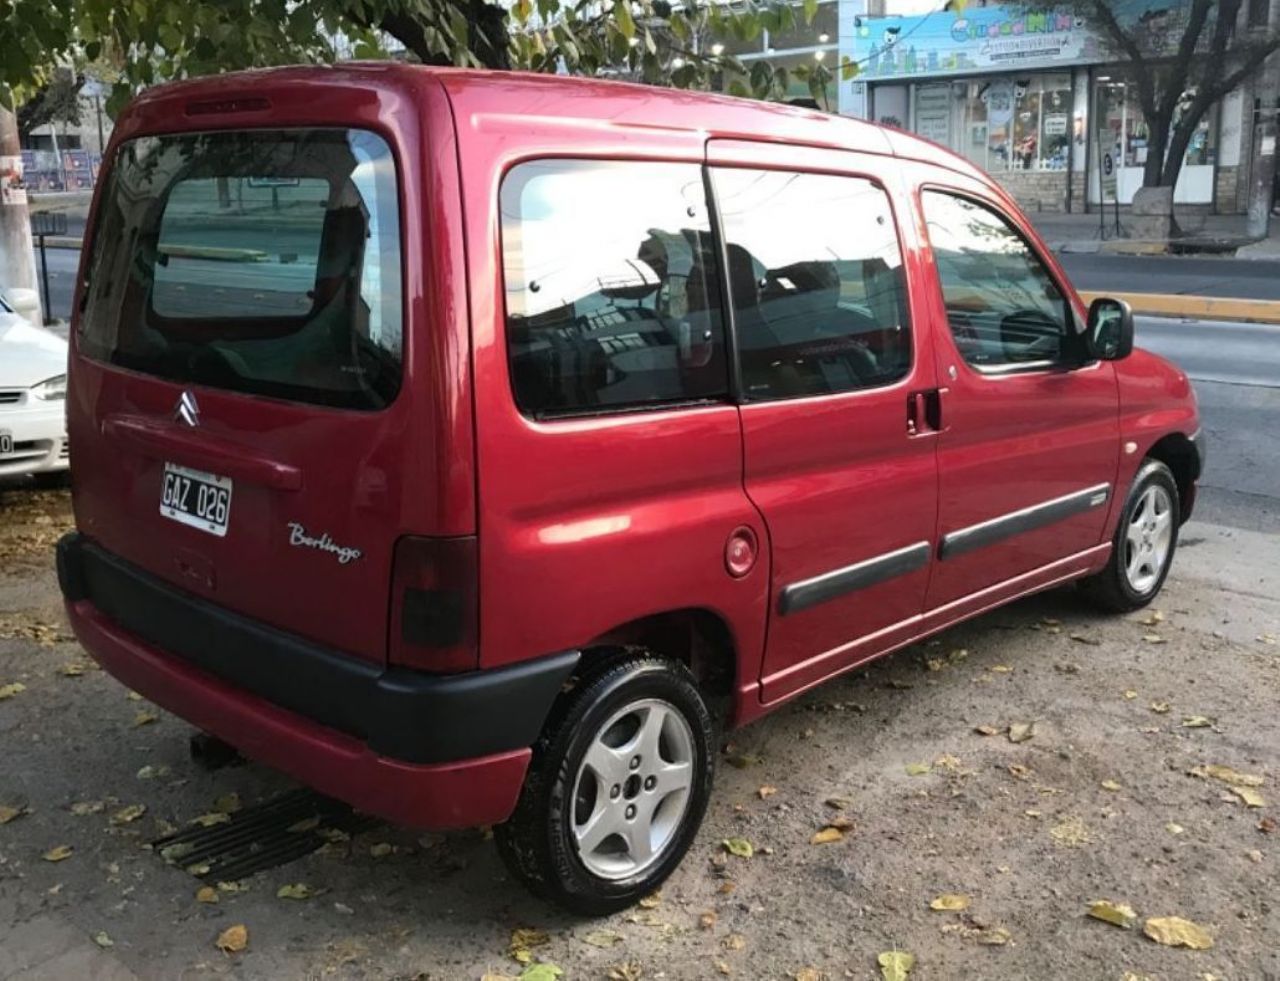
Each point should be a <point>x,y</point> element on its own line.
<point>1146,91</point>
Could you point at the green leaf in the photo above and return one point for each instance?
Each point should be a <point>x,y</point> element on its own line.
<point>622,16</point>
<point>810,10</point>
<point>895,965</point>
<point>956,7</point>
<point>738,846</point>
<point>542,971</point>
<point>523,9</point>
<point>849,69</point>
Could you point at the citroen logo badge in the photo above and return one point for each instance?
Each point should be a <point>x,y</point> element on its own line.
<point>186,410</point>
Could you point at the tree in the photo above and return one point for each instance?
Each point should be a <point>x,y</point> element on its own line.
<point>57,100</point>
<point>657,41</point>
<point>1179,74</point>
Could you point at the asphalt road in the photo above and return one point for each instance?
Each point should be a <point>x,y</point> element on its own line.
<point>1248,279</point>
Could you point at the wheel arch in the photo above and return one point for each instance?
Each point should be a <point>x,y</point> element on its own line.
<point>1177,452</point>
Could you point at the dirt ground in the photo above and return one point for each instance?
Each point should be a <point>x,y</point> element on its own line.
<point>1029,763</point>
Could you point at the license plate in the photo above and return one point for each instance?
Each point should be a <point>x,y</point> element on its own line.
<point>201,500</point>
<point>6,444</point>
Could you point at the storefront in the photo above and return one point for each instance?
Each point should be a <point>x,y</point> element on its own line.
<point>1029,96</point>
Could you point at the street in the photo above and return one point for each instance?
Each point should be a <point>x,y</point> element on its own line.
<point>1099,803</point>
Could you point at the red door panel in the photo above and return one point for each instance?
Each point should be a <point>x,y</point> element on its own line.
<point>831,361</point>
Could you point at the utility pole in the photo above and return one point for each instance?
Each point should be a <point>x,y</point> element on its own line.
<point>17,260</point>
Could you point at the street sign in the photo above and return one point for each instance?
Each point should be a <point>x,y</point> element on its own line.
<point>48,223</point>
<point>1108,175</point>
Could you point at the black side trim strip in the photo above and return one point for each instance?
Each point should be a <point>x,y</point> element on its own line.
<point>1016,523</point>
<point>810,592</point>
<point>402,714</point>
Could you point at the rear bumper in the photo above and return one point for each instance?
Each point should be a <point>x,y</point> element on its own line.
<point>436,751</point>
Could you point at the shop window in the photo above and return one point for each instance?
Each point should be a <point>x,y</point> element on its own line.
<point>1122,119</point>
<point>1005,122</point>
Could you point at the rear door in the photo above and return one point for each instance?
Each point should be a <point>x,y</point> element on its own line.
<point>238,410</point>
<point>834,385</point>
<point>1028,456</point>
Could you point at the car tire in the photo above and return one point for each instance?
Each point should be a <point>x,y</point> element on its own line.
<point>617,787</point>
<point>1144,545</point>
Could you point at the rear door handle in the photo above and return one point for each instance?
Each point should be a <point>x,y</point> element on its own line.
<point>924,412</point>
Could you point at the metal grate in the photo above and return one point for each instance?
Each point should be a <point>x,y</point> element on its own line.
<point>10,396</point>
<point>261,837</point>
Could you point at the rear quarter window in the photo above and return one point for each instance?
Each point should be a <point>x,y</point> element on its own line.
<point>265,262</point>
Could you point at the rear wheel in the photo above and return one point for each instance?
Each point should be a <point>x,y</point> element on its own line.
<point>617,788</point>
<point>1145,542</point>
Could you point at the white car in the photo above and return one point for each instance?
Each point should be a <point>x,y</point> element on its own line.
<point>33,398</point>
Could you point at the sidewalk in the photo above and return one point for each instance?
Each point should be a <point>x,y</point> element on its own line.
<point>1225,234</point>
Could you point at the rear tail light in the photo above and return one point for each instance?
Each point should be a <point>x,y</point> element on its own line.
<point>434,613</point>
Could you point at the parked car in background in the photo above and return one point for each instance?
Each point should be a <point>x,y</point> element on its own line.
<point>476,446</point>
<point>33,392</point>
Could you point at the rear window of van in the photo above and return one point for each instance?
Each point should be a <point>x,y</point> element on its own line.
<point>265,262</point>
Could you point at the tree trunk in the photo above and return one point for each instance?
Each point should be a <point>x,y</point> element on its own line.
<point>1157,140</point>
<point>17,260</point>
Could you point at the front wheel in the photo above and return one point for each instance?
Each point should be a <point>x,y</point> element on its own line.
<point>617,788</point>
<point>1145,541</point>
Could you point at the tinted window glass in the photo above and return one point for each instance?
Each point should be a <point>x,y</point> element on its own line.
<point>610,286</point>
<point>1003,306</point>
<point>265,262</point>
<point>815,274</point>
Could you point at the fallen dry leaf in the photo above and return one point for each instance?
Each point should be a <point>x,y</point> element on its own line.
<point>1267,826</point>
<point>1130,694</point>
<point>1001,669</point>
<point>523,942</point>
<point>1250,796</point>
<point>542,971</point>
<point>839,803</point>
<point>707,920</point>
<point>841,822</point>
<point>233,939</point>
<point>626,971</point>
<point>1155,639</point>
<point>103,940</point>
<point>8,813</point>
<point>1117,914</point>
<point>743,760</point>
<point>1227,775</point>
<point>766,792</point>
<point>127,815</point>
<point>738,846</point>
<point>144,718</point>
<point>295,890</point>
<point>807,974</point>
<point>381,849</point>
<point>1020,732</point>
<point>1174,828</point>
<point>602,938</point>
<point>206,894</point>
<point>1153,618</point>
<point>895,965</point>
<point>918,769</point>
<point>58,853</point>
<point>986,730</point>
<point>81,808</point>
<point>1071,833</point>
<point>1174,931</point>
<point>1080,638</point>
<point>1111,785</point>
<point>735,941</point>
<point>1197,722</point>
<point>651,901</point>
<point>1160,708</point>
<point>227,803</point>
<point>209,820</point>
<point>995,937</point>
<point>950,902</point>
<point>8,691</point>
<point>826,836</point>
<point>74,669</point>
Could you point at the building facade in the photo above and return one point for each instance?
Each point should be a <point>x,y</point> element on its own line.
<point>1037,99</point>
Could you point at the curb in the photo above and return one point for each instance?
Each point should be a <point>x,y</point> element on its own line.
<point>1196,307</point>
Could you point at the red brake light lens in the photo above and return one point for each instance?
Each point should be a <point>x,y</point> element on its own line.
<point>434,612</point>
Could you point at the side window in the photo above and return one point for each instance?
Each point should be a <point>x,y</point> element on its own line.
<point>1002,305</point>
<point>816,279</point>
<point>611,291</point>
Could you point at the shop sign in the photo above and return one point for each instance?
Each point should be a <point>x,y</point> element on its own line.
<point>1001,37</point>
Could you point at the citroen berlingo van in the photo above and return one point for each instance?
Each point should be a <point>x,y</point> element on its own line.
<point>476,447</point>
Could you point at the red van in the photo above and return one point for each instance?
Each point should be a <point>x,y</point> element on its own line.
<point>472,446</point>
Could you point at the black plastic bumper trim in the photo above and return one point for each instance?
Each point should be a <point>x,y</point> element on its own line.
<point>1018,522</point>
<point>401,714</point>
<point>1200,442</point>
<point>810,592</point>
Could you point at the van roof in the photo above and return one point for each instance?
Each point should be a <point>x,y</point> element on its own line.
<point>591,101</point>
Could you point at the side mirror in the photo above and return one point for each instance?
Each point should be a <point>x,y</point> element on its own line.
<point>1110,329</point>
<point>25,302</point>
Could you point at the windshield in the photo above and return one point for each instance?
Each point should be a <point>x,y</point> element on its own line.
<point>264,261</point>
